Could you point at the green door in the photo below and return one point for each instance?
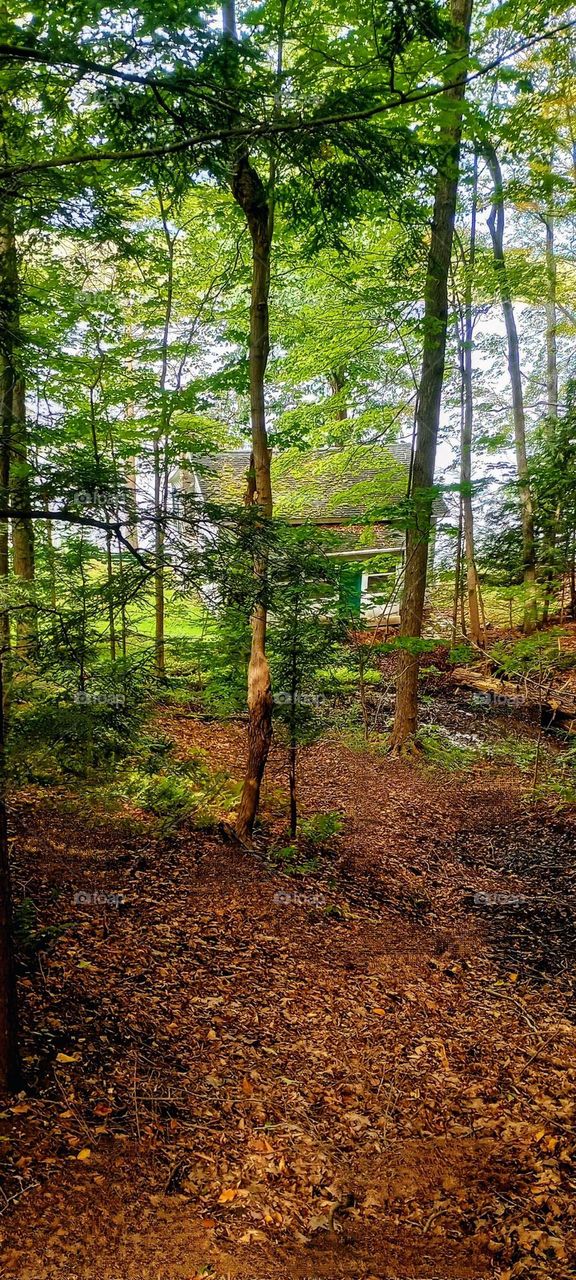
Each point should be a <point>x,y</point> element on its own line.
<point>350,589</point>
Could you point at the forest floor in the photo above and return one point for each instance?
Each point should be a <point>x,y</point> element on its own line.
<point>365,1071</point>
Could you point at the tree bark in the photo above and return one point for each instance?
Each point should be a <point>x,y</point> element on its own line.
<point>551,533</point>
<point>5,421</point>
<point>248,191</point>
<point>457,572</point>
<point>496,227</point>
<point>10,1068</point>
<point>132,487</point>
<point>251,196</point>
<point>159,548</point>
<point>15,469</point>
<point>476,630</point>
<point>337,383</point>
<point>432,377</point>
<point>551,322</point>
<point>161,477</point>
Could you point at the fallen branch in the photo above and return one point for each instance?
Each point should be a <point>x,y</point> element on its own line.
<point>507,692</point>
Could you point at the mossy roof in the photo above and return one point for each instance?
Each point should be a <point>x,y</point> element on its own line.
<point>320,485</point>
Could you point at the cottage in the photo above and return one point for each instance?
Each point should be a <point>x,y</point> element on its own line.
<point>356,492</point>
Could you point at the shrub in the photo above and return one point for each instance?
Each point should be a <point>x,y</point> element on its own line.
<point>181,791</point>
<point>320,827</point>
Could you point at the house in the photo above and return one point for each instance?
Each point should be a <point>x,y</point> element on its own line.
<point>356,492</point>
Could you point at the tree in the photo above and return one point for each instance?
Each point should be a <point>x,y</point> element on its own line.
<point>257,205</point>
<point>304,635</point>
<point>496,227</point>
<point>466,350</point>
<point>431,378</point>
<point>10,1070</point>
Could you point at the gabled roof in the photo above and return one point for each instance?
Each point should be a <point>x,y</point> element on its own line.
<point>325,486</point>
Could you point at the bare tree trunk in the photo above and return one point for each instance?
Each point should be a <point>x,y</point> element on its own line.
<point>131,484</point>
<point>293,748</point>
<point>337,384</point>
<point>229,19</point>
<point>431,379</point>
<point>5,420</point>
<point>258,208</point>
<point>159,541</point>
<point>22,532</point>
<point>249,192</point>
<point>551,322</point>
<point>110,580</point>
<point>457,574</point>
<point>161,462</point>
<point>15,465</point>
<point>573,576</point>
<point>131,477</point>
<point>10,1069</point>
<point>496,226</point>
<point>476,631</point>
<point>551,534</point>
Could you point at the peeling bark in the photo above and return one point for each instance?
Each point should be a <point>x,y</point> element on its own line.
<point>251,196</point>
<point>248,191</point>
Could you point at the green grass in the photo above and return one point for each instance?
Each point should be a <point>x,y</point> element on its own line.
<point>185,619</point>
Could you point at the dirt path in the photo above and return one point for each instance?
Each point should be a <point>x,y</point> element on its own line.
<point>365,1073</point>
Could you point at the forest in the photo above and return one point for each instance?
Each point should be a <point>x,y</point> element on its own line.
<point>287,640</point>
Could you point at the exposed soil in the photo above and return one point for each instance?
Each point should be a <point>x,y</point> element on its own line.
<point>364,1072</point>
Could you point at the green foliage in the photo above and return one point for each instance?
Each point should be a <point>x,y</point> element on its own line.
<point>441,748</point>
<point>320,827</point>
<point>461,654</point>
<point>534,655</point>
<point>30,937</point>
<point>179,791</point>
<point>293,862</point>
<point>57,732</point>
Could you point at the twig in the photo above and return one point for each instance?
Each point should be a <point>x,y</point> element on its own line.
<point>136,1116</point>
<point>71,1108</point>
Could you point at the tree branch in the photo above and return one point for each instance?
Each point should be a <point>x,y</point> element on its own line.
<point>272,128</point>
<point>71,517</point>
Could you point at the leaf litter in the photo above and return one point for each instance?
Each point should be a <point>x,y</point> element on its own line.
<point>227,1085</point>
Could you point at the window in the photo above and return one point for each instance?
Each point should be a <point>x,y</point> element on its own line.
<point>378,582</point>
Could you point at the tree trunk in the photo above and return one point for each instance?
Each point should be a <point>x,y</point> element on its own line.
<point>457,573</point>
<point>293,749</point>
<point>161,460</point>
<point>551,533</point>
<point>132,486</point>
<point>5,418</point>
<point>110,584</point>
<point>10,1071</point>
<point>496,226</point>
<point>159,541</point>
<point>250,194</point>
<point>22,532</point>
<point>337,383</point>
<point>551,322</point>
<point>431,379</point>
<point>476,631</point>
<point>248,191</point>
<point>292,775</point>
<point>15,444</point>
